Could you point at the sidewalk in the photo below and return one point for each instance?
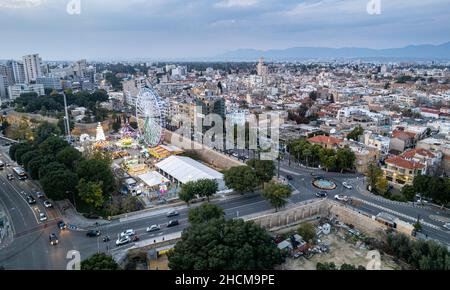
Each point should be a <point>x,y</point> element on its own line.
<point>74,220</point>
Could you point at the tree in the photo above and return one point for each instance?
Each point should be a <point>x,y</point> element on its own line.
<point>345,159</point>
<point>205,213</point>
<point>69,156</point>
<point>188,192</point>
<point>52,145</point>
<point>241,178</point>
<point>56,184</point>
<point>27,157</point>
<point>276,194</point>
<point>326,266</point>
<point>355,133</point>
<point>408,192</point>
<point>34,165</point>
<point>373,174</point>
<point>50,167</point>
<point>349,267</point>
<point>382,185</point>
<point>97,169</point>
<point>221,244</point>
<point>417,226</point>
<point>62,127</point>
<point>91,192</point>
<point>307,232</point>
<point>206,187</point>
<point>17,150</point>
<point>99,261</point>
<point>44,131</point>
<point>264,169</point>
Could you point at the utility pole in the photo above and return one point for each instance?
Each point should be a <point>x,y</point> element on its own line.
<point>66,119</point>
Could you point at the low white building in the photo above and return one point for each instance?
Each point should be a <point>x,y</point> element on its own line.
<point>180,169</point>
<point>16,90</point>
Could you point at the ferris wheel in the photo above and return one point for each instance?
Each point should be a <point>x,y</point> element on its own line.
<point>150,117</point>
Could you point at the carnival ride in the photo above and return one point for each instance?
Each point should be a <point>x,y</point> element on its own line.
<point>150,117</point>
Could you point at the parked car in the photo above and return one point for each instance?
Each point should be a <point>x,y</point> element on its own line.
<point>341,197</point>
<point>153,228</point>
<point>42,217</point>
<point>321,194</point>
<point>446,226</point>
<point>10,177</point>
<point>48,204</point>
<point>289,177</point>
<point>128,233</point>
<point>346,185</point>
<point>62,225</point>
<point>39,194</point>
<point>53,239</point>
<point>31,200</point>
<point>93,233</point>
<point>172,223</point>
<point>172,213</point>
<point>123,240</point>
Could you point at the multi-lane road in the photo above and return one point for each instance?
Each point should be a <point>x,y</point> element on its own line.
<point>30,248</point>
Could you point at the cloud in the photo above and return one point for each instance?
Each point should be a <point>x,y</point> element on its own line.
<point>236,3</point>
<point>20,3</point>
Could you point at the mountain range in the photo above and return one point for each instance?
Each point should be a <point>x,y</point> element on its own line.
<point>426,51</point>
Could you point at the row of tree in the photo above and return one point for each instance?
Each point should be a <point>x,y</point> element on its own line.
<point>314,155</point>
<point>433,187</point>
<point>54,102</point>
<point>61,169</point>
<point>332,266</point>
<point>420,254</point>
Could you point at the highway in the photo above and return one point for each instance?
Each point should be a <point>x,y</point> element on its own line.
<point>30,248</point>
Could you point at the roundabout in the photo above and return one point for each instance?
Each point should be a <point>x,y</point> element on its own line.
<point>323,183</point>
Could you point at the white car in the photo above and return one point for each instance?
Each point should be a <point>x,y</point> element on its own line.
<point>346,185</point>
<point>153,228</point>
<point>123,240</point>
<point>42,217</point>
<point>48,204</point>
<point>127,233</point>
<point>446,226</point>
<point>341,197</point>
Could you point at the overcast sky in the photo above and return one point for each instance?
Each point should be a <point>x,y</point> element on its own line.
<point>197,28</point>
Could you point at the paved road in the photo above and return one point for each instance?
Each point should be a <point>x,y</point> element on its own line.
<point>32,250</point>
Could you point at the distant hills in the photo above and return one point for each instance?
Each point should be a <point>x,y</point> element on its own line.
<point>425,51</point>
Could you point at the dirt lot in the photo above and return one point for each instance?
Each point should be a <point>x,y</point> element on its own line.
<point>341,251</point>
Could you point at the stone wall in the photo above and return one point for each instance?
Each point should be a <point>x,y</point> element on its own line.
<point>16,117</point>
<point>209,156</point>
<point>331,209</point>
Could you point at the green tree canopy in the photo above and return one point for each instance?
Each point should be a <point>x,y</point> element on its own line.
<point>56,184</point>
<point>241,178</point>
<point>264,169</point>
<point>205,213</point>
<point>52,145</point>
<point>45,130</point>
<point>97,169</point>
<point>307,232</point>
<point>224,245</point>
<point>206,187</point>
<point>99,261</point>
<point>69,156</point>
<point>276,194</point>
<point>91,192</point>
<point>188,191</point>
<point>355,133</point>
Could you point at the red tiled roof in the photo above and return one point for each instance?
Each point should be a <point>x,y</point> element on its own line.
<point>403,163</point>
<point>403,134</point>
<point>418,151</point>
<point>325,139</point>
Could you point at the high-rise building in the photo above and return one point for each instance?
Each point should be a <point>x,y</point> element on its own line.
<point>79,68</point>
<point>3,87</point>
<point>17,70</point>
<point>261,68</point>
<point>32,67</point>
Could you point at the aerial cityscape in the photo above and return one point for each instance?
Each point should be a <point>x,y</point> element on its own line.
<point>224,135</point>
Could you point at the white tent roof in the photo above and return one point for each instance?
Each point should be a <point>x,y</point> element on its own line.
<point>152,178</point>
<point>186,169</point>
